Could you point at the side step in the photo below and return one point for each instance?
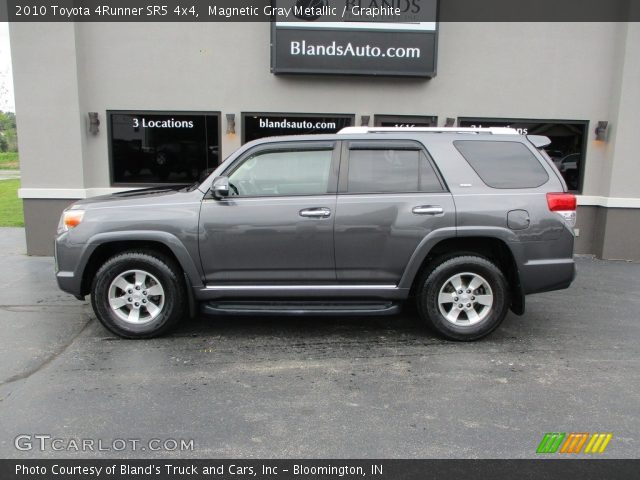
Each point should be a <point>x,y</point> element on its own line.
<point>320,308</point>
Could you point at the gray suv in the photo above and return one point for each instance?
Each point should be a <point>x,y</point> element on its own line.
<point>463,222</point>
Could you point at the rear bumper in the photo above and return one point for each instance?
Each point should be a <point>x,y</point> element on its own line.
<point>538,276</point>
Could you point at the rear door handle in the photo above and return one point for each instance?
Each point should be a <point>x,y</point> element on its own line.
<point>428,210</point>
<point>321,212</point>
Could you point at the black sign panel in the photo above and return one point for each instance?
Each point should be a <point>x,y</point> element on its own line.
<point>395,38</point>
<point>159,147</point>
<point>260,125</point>
<point>405,121</point>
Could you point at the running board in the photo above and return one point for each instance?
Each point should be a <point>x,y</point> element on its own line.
<point>320,308</point>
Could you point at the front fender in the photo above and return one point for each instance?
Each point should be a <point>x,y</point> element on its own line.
<point>169,240</point>
<point>72,258</point>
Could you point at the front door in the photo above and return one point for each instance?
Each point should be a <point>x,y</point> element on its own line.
<point>276,226</point>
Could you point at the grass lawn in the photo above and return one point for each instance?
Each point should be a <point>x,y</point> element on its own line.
<point>9,161</point>
<point>11,214</point>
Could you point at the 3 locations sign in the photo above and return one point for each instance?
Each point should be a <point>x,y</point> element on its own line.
<point>355,37</point>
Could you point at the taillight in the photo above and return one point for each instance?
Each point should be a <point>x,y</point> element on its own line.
<point>564,204</point>
<point>561,201</point>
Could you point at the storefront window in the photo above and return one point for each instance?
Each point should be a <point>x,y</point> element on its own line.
<point>260,125</point>
<point>162,147</point>
<point>568,142</point>
<point>405,121</point>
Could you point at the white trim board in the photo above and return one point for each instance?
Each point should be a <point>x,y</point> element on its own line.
<point>82,193</point>
<point>608,202</point>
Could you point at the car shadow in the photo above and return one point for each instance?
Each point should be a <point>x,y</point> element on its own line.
<point>405,327</point>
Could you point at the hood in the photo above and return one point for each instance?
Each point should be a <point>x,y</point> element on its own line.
<point>139,195</point>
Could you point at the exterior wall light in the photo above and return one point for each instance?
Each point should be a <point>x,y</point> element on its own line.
<point>364,120</point>
<point>94,123</point>
<point>231,123</point>
<point>601,131</point>
<point>450,122</point>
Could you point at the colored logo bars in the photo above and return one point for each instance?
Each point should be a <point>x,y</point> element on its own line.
<point>574,442</point>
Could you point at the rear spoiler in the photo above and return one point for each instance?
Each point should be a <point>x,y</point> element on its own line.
<point>539,141</point>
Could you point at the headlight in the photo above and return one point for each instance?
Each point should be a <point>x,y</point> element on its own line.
<point>70,219</point>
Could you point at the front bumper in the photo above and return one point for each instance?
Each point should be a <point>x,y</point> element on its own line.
<point>69,283</point>
<point>67,265</point>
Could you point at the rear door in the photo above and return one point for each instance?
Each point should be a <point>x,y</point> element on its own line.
<point>390,197</point>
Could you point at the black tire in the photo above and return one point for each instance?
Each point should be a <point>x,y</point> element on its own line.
<point>158,267</point>
<point>438,278</point>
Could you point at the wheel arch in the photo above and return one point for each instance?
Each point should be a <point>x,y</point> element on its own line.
<point>491,247</point>
<point>103,246</point>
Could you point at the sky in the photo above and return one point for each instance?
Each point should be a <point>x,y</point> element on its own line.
<point>7,102</point>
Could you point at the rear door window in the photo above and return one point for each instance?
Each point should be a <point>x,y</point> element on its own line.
<point>503,164</point>
<point>390,171</point>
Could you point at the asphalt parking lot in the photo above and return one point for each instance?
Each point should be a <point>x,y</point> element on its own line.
<point>320,387</point>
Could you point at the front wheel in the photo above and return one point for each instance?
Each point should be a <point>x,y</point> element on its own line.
<point>464,298</point>
<point>138,294</point>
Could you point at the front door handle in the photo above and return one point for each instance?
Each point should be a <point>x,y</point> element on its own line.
<point>321,212</point>
<point>428,210</point>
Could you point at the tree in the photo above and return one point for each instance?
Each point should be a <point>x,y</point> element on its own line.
<point>8,132</point>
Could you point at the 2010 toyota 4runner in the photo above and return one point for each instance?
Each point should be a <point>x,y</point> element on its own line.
<point>465,222</point>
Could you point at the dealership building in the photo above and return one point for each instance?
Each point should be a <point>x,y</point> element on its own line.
<point>106,107</point>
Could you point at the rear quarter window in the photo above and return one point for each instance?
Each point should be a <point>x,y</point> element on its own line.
<point>503,164</point>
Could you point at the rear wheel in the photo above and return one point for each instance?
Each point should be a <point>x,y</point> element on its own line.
<point>464,298</point>
<point>138,294</point>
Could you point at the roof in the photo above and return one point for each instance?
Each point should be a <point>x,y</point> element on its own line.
<point>491,131</point>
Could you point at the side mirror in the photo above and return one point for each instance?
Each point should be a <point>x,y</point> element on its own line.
<point>220,187</point>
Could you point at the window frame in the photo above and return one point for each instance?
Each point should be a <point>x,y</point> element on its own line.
<point>288,146</point>
<point>526,147</point>
<point>385,144</point>
<point>109,113</point>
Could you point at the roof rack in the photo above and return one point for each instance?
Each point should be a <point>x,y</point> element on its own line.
<point>491,130</point>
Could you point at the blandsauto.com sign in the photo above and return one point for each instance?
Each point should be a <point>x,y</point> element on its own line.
<point>355,37</point>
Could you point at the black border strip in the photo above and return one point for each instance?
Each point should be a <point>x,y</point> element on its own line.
<point>547,468</point>
<point>448,11</point>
